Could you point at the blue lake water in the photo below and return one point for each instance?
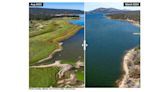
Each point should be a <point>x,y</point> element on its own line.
<point>107,41</point>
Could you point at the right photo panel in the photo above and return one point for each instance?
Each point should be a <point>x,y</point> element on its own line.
<point>113,44</point>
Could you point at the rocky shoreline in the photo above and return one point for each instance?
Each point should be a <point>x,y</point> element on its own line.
<point>131,68</point>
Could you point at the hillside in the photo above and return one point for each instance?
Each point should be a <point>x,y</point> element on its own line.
<point>131,15</point>
<point>107,11</point>
<point>44,13</point>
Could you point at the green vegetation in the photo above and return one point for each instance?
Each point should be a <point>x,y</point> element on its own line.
<point>37,51</point>
<point>132,15</point>
<point>38,28</point>
<point>80,74</point>
<point>46,35</point>
<point>43,77</point>
<point>46,14</point>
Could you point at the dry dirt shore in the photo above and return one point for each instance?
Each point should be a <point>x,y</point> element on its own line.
<point>64,82</point>
<point>131,77</point>
<point>51,55</point>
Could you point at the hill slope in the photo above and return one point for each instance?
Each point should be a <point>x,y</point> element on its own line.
<point>107,10</point>
<point>44,13</point>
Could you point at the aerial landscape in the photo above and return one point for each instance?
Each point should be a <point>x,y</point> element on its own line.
<point>55,46</point>
<point>113,38</point>
<point>78,45</point>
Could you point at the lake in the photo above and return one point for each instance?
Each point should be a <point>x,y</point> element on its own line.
<point>72,47</point>
<point>107,41</point>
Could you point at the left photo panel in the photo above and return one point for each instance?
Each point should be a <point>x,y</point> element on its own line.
<point>56,35</point>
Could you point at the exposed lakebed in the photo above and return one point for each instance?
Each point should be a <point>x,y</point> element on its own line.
<point>72,47</point>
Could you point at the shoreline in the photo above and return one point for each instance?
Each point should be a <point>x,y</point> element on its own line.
<point>68,34</point>
<point>126,81</point>
<point>60,48</point>
<point>118,81</point>
<point>59,42</point>
<point>135,23</point>
<point>64,68</point>
<point>124,69</point>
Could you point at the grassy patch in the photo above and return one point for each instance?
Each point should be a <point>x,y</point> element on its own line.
<point>38,51</point>
<point>45,35</point>
<point>80,74</point>
<point>43,77</point>
<point>44,39</point>
<point>45,29</point>
<point>59,34</point>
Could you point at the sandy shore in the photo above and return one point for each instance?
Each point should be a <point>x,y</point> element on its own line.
<point>136,23</point>
<point>125,68</point>
<point>130,78</point>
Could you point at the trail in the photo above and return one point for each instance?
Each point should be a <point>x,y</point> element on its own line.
<point>64,67</point>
